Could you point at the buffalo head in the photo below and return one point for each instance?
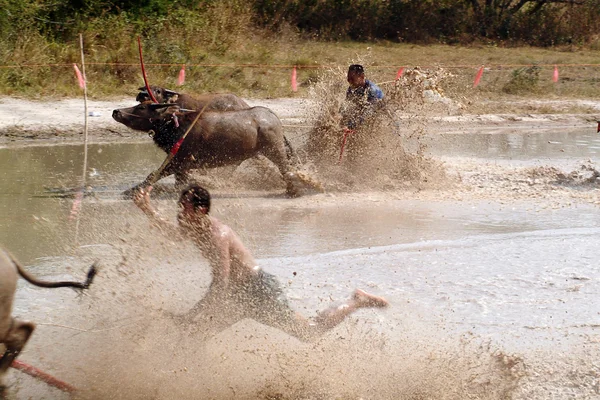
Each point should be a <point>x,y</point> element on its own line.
<point>162,95</point>
<point>145,116</point>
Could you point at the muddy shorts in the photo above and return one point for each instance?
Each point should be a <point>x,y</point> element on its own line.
<point>263,300</point>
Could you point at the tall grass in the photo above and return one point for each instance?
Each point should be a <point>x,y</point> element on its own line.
<point>226,32</point>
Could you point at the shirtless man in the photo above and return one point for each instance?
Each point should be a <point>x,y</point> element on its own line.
<point>238,284</point>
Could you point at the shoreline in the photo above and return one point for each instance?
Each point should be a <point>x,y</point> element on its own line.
<point>37,123</point>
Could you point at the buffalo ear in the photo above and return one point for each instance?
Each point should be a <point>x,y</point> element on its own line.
<point>172,99</point>
<point>142,96</point>
<point>142,89</point>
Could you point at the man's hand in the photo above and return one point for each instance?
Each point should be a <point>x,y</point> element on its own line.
<point>141,198</point>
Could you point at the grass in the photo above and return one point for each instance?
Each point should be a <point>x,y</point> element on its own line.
<point>118,45</point>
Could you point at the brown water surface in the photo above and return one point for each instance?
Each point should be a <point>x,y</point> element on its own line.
<point>490,299</point>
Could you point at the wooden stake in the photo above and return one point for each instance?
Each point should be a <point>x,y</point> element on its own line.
<point>41,375</point>
<point>78,202</point>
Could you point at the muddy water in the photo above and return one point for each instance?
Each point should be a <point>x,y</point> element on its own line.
<point>519,280</point>
<point>519,145</point>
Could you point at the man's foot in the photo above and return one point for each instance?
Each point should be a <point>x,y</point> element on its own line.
<point>364,299</point>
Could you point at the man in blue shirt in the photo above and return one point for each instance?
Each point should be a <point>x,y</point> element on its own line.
<point>363,98</point>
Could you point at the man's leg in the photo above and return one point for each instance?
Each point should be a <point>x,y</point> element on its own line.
<point>213,300</point>
<point>306,329</point>
<point>333,316</point>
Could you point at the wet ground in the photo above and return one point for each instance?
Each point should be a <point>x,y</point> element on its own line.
<point>492,279</point>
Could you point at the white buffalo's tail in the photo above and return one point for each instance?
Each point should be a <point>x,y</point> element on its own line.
<point>58,284</point>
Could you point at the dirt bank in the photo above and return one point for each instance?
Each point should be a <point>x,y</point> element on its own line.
<point>25,122</point>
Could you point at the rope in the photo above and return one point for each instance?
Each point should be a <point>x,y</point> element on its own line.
<point>319,66</point>
<point>152,178</point>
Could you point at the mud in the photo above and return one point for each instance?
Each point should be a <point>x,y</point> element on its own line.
<point>481,238</point>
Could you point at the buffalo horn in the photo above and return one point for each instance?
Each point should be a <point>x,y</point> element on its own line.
<point>156,106</point>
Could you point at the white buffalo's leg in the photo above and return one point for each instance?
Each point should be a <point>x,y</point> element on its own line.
<point>15,340</point>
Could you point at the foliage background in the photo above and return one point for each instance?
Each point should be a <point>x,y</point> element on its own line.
<point>43,34</point>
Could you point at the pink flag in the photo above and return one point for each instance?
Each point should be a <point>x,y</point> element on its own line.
<point>294,83</point>
<point>555,74</point>
<point>79,76</point>
<point>76,204</point>
<point>478,77</point>
<point>400,72</point>
<point>181,77</point>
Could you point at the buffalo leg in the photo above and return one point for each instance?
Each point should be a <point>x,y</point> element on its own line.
<point>277,155</point>
<point>151,179</point>
<point>15,340</point>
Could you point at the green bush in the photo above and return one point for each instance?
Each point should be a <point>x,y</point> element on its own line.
<point>523,80</point>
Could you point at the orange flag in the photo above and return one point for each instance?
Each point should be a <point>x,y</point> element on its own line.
<point>555,74</point>
<point>79,76</point>
<point>181,77</point>
<point>400,72</point>
<point>294,82</point>
<point>478,77</point>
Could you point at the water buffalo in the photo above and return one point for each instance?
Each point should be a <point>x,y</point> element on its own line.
<point>13,333</point>
<point>218,138</point>
<point>215,101</point>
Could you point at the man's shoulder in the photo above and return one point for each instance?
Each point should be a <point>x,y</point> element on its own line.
<point>375,90</point>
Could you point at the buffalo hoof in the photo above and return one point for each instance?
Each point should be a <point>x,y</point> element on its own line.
<point>292,188</point>
<point>299,183</point>
<point>292,191</point>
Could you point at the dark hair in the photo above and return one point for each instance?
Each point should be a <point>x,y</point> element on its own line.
<point>356,68</point>
<point>197,195</point>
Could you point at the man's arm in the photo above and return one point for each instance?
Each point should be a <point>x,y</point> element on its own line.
<point>141,198</point>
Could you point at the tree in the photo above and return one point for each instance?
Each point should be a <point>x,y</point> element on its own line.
<point>494,17</point>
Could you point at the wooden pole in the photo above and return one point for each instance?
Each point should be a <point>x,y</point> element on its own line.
<point>79,196</point>
<point>41,375</point>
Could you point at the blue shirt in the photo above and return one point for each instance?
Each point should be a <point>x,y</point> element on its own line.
<point>364,100</point>
<point>374,93</point>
